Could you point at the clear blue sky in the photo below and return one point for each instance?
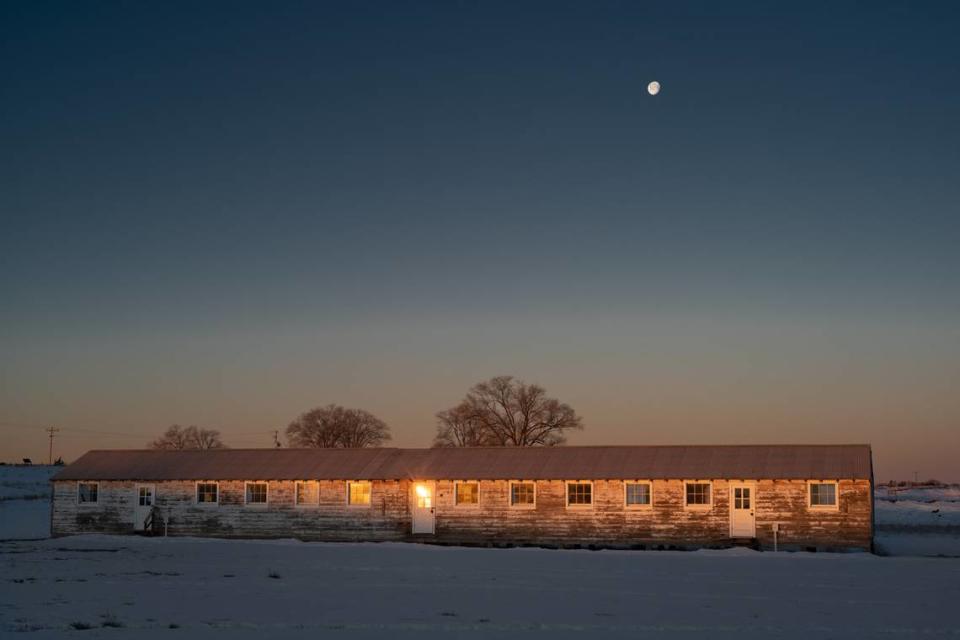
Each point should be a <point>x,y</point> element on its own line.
<point>227,213</point>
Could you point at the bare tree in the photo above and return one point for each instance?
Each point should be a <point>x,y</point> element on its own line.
<point>204,438</point>
<point>334,426</point>
<point>176,438</point>
<point>506,412</point>
<point>460,427</point>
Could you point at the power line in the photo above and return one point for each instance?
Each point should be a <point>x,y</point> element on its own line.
<point>67,432</point>
<point>51,431</point>
<point>20,425</point>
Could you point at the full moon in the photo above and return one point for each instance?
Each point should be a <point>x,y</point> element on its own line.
<point>653,88</point>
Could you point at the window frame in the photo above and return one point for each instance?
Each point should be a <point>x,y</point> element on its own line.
<point>696,506</point>
<point>196,493</point>
<point>368,504</point>
<point>88,503</point>
<point>648,505</point>
<point>138,488</point>
<point>566,494</point>
<point>522,505</point>
<point>296,493</point>
<point>456,495</point>
<point>823,507</point>
<point>246,493</point>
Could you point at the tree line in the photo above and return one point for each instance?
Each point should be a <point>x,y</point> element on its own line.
<point>499,412</point>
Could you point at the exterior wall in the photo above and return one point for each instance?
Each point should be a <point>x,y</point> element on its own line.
<point>849,526</point>
<point>113,513</point>
<point>327,518</point>
<point>667,522</point>
<point>607,523</point>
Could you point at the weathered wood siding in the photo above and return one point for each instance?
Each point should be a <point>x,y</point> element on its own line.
<point>112,513</point>
<point>328,517</point>
<point>849,526</point>
<point>667,522</point>
<point>606,522</point>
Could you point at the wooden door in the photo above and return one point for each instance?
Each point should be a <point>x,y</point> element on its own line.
<point>142,504</point>
<point>743,523</point>
<point>422,499</point>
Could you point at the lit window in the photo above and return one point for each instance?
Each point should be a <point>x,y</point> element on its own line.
<point>424,496</point>
<point>256,493</point>
<point>88,492</point>
<point>522,493</point>
<point>468,493</point>
<point>823,494</point>
<point>698,494</point>
<point>207,493</point>
<point>638,494</point>
<point>579,494</point>
<point>307,493</point>
<point>358,493</point>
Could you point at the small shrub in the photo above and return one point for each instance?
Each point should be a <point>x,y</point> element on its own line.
<point>81,626</point>
<point>274,575</point>
<point>173,625</point>
<point>111,621</point>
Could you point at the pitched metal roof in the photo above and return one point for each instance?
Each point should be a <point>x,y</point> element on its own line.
<point>226,464</point>
<point>747,462</point>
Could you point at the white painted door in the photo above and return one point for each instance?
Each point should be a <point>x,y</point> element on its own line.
<point>423,508</point>
<point>743,523</point>
<point>143,503</point>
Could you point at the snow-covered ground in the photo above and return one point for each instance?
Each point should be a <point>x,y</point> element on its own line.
<point>921,507</point>
<point>25,501</point>
<point>19,482</point>
<point>118,586</point>
<point>922,521</point>
<point>920,493</point>
<point>192,588</point>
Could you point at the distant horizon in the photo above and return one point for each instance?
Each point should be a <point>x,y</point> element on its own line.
<point>391,445</point>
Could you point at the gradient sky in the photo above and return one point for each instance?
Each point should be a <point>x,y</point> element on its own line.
<point>226,214</point>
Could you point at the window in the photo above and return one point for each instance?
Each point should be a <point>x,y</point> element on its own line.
<point>698,494</point>
<point>307,493</point>
<point>207,493</point>
<point>579,494</point>
<point>638,494</point>
<point>823,495</point>
<point>467,493</point>
<point>358,494</point>
<point>424,495</point>
<point>256,493</point>
<point>145,496</point>
<point>741,498</point>
<point>523,494</point>
<point>88,492</point>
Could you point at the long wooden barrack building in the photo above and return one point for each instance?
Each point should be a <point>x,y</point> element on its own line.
<point>802,496</point>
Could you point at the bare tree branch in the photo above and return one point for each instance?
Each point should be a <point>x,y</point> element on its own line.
<point>460,427</point>
<point>177,438</point>
<point>334,426</point>
<point>506,412</point>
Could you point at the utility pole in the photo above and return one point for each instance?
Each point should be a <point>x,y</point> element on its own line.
<point>51,431</point>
